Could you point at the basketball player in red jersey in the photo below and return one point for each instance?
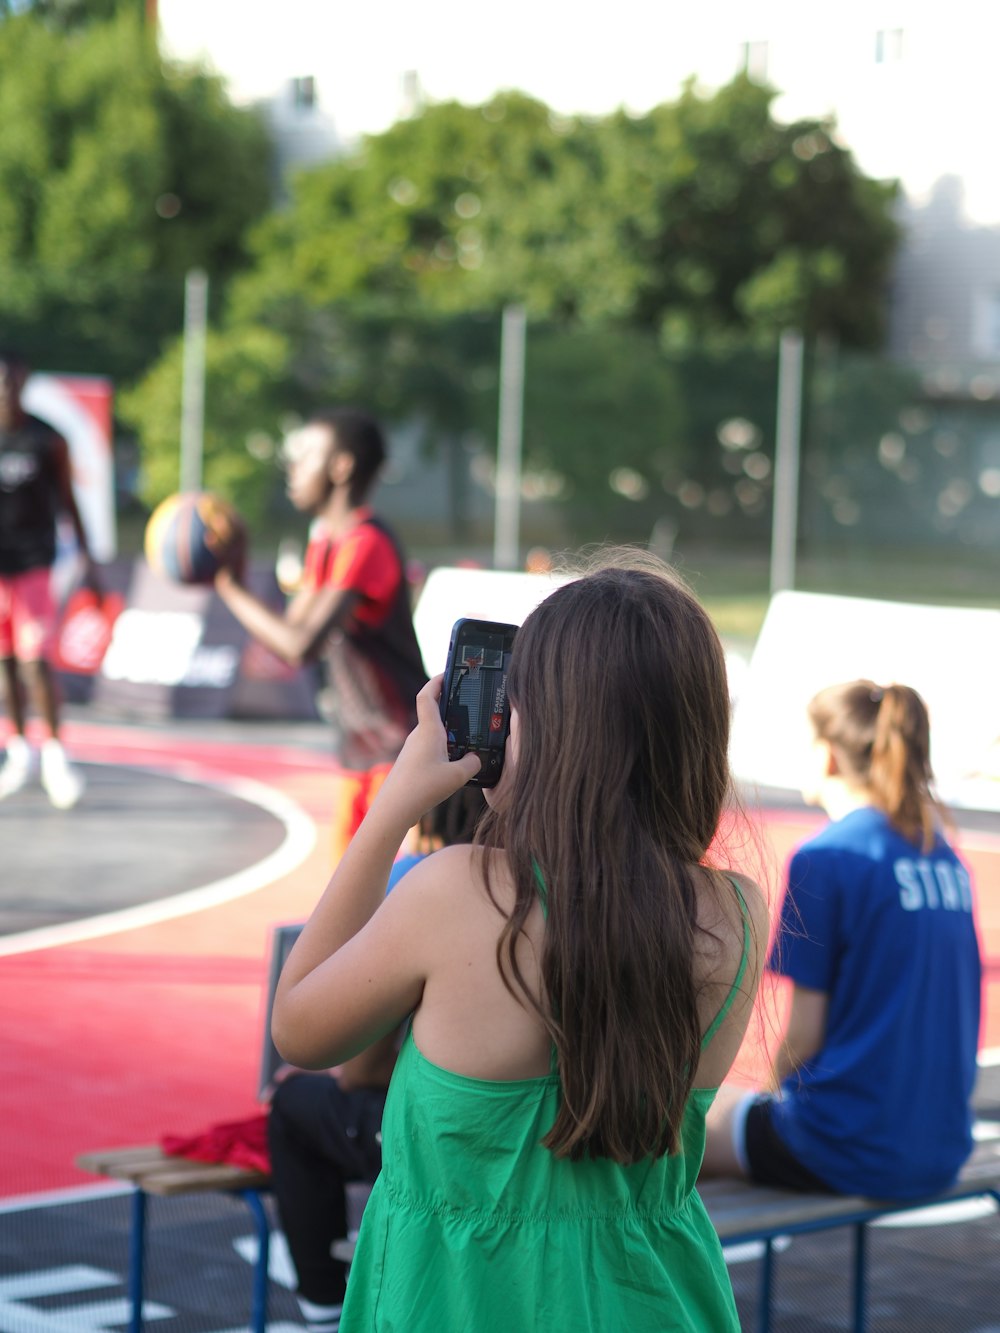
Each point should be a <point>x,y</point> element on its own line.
<point>35,486</point>
<point>353,609</point>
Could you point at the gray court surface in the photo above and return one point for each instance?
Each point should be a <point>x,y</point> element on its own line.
<point>135,837</point>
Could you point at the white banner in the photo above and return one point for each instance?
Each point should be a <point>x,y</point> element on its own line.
<point>950,655</point>
<point>475,594</point>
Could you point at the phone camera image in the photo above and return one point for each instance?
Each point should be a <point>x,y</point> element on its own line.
<point>474,705</point>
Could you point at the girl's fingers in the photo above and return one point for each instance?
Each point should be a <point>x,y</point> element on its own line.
<point>428,697</point>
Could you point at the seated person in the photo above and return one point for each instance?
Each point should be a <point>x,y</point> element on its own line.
<point>324,1129</point>
<point>872,1083</point>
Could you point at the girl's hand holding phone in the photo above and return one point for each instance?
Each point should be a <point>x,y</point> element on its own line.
<point>423,775</point>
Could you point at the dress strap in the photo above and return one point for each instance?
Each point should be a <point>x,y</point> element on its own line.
<point>727,1004</point>
<point>543,893</point>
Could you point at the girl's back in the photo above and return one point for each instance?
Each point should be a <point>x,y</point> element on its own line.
<point>469,1022</point>
<point>473,1224</point>
<point>579,985</point>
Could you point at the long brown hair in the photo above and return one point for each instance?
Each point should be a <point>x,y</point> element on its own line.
<point>619,680</point>
<point>880,737</point>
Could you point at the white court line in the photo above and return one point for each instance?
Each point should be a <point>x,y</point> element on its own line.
<point>989,1057</point>
<point>25,1203</point>
<point>299,841</point>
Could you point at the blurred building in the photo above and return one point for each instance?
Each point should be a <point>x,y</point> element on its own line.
<point>911,87</point>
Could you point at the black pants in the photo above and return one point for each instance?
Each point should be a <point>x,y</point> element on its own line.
<point>321,1138</point>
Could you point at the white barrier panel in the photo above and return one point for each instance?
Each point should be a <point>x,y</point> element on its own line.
<point>475,594</point>
<point>950,655</point>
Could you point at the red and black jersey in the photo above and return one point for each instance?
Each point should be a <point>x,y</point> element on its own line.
<point>374,667</point>
<point>29,497</point>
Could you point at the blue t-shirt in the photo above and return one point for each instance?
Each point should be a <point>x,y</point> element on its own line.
<point>887,933</point>
<point>400,867</point>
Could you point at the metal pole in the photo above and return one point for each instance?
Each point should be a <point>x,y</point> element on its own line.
<point>786,462</point>
<point>507,521</point>
<point>193,386</point>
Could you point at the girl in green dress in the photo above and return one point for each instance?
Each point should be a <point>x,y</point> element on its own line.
<point>579,985</point>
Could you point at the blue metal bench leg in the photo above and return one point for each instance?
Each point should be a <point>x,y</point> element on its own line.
<point>766,1283</point>
<point>136,1259</point>
<point>258,1314</point>
<point>860,1277</point>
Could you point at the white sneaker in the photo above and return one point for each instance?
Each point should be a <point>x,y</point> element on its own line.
<point>18,768</point>
<point>63,784</point>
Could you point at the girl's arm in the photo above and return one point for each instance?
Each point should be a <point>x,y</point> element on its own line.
<point>804,1034</point>
<point>359,965</point>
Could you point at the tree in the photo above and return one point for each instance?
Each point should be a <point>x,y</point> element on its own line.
<point>117,174</point>
<point>704,218</point>
<point>642,247</point>
<point>415,215</point>
<point>755,225</point>
<point>243,377</point>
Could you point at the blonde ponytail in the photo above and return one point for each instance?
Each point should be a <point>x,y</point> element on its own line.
<point>881,738</point>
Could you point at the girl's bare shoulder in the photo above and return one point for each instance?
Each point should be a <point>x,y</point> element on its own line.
<point>722,917</point>
<point>754,897</point>
<point>455,878</point>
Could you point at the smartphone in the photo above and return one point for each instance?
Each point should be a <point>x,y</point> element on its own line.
<point>474,705</point>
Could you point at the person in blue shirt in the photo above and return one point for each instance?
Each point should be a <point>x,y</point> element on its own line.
<point>872,1083</point>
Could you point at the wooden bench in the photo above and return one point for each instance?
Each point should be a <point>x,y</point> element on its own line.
<point>152,1172</point>
<point>741,1213</point>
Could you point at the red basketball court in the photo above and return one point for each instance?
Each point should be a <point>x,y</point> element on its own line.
<point>149,1021</point>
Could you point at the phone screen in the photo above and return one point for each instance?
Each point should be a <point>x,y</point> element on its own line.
<point>474,706</point>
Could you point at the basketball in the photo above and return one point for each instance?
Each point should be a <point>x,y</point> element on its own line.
<point>189,537</point>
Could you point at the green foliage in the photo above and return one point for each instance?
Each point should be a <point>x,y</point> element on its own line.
<point>117,174</point>
<point>658,257</point>
<point>749,225</point>
<point>242,429</point>
<point>599,399</point>
<point>70,13</point>
<point>705,218</point>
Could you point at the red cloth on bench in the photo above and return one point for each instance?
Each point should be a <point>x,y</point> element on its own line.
<point>239,1143</point>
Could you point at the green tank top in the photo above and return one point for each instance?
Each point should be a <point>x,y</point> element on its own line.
<point>474,1227</point>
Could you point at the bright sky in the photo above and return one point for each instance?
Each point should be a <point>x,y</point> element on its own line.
<point>929,114</point>
<point>573,56</point>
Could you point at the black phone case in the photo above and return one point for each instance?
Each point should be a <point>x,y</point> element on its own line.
<point>474,705</point>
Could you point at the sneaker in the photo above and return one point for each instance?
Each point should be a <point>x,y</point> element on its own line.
<point>63,784</point>
<point>18,768</point>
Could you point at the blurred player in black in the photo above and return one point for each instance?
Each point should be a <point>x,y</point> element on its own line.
<point>35,487</point>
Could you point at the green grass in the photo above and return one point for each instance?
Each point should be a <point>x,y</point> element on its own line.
<point>734,585</point>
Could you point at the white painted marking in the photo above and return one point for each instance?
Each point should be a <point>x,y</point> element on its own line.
<point>299,841</point>
<point>272,1327</point>
<point>101,1316</point>
<point>55,1282</point>
<point>753,1250</point>
<point>280,1268</point>
<point>941,1214</point>
<point>21,1203</point>
<point>989,1057</point>
<point>81,1317</point>
<point>986,1131</point>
